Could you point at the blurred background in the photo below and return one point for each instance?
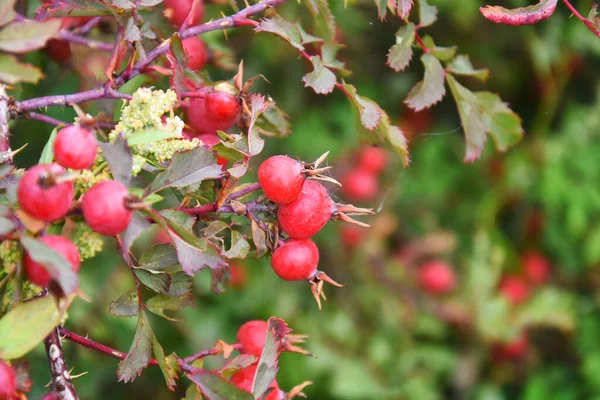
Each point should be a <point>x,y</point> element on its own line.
<point>486,326</point>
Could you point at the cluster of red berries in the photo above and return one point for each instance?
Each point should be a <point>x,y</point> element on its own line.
<point>177,11</point>
<point>305,206</point>
<point>46,193</point>
<point>8,381</point>
<point>361,183</point>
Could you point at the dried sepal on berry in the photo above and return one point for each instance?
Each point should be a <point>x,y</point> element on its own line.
<point>316,286</point>
<point>297,390</point>
<point>344,212</point>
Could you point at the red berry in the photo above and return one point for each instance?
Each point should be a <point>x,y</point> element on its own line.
<point>58,50</point>
<point>105,209</point>
<point>217,111</point>
<point>360,185</point>
<point>8,381</point>
<point>536,267</point>
<point>238,275</point>
<point>37,273</point>
<point>437,277</point>
<point>352,235</point>
<point>514,289</point>
<point>296,260</point>
<point>305,216</point>
<point>75,147</point>
<point>252,336</point>
<point>222,105</point>
<point>511,351</point>
<point>281,179</point>
<point>44,203</point>
<point>177,11</point>
<point>195,49</point>
<point>372,159</point>
<point>244,378</point>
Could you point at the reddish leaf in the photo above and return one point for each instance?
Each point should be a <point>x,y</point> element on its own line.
<point>139,354</point>
<point>520,16</point>
<point>404,7</point>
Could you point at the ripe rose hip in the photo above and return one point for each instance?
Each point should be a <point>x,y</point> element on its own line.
<point>218,110</point>
<point>238,275</point>
<point>536,267</point>
<point>281,179</point>
<point>514,289</point>
<point>360,185</point>
<point>75,147</point>
<point>195,49</point>
<point>8,381</point>
<point>44,203</point>
<point>244,378</point>
<point>305,216</point>
<point>296,260</point>
<point>177,11</point>
<point>372,159</point>
<point>437,277</point>
<point>222,105</point>
<point>58,50</point>
<point>36,273</point>
<point>252,336</point>
<point>105,209</point>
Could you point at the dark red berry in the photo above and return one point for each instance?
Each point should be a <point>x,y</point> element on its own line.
<point>105,208</point>
<point>75,147</point>
<point>59,50</point>
<point>37,273</point>
<point>252,336</point>
<point>360,185</point>
<point>511,351</point>
<point>536,267</point>
<point>514,289</point>
<point>41,199</point>
<point>437,277</point>
<point>305,216</point>
<point>222,105</point>
<point>203,122</point>
<point>296,260</point>
<point>281,179</point>
<point>8,381</point>
<point>195,49</point>
<point>372,159</point>
<point>177,11</point>
<point>244,378</point>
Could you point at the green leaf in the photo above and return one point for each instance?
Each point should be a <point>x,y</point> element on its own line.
<point>7,12</point>
<point>256,144</point>
<point>119,159</point>
<point>136,227</point>
<point>520,16</point>
<point>127,305</point>
<point>369,112</point>
<point>329,57</point>
<point>149,136</point>
<point>214,387</point>
<point>482,113</point>
<point>431,89</point>
<point>239,362</point>
<point>239,246</point>
<point>159,257</point>
<point>12,71</point>
<point>178,59</point>
<point>156,281</point>
<point>48,152</point>
<point>325,25</point>
<point>427,14</point>
<point>187,168</point>
<point>307,37</point>
<point>549,307</point>
<point>321,79</point>
<point>168,365</point>
<point>273,121</point>
<point>441,53</point>
<point>181,285</point>
<point>132,32</point>
<point>282,28</point>
<point>57,266</point>
<point>461,65</point>
<point>6,226</point>
<point>267,367</point>
<point>404,7</point>
<point>139,354</point>
<point>158,304</point>
<point>401,53</point>
<point>25,36</point>
<point>26,325</point>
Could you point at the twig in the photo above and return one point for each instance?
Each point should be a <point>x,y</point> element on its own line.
<point>5,152</point>
<point>46,119</point>
<point>88,26</point>
<point>92,44</point>
<point>61,380</point>
<point>587,22</point>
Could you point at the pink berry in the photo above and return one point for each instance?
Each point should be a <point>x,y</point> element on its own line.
<point>252,336</point>
<point>536,267</point>
<point>218,110</point>
<point>296,260</point>
<point>281,179</point>
<point>105,208</point>
<point>37,273</point>
<point>372,159</point>
<point>177,11</point>
<point>8,381</point>
<point>195,49</point>
<point>244,378</point>
<point>360,185</point>
<point>437,277</point>
<point>44,203</point>
<point>75,147</point>
<point>305,216</point>
<point>515,289</point>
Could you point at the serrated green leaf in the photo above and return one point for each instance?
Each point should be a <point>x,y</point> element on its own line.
<point>404,7</point>
<point>127,305</point>
<point>503,124</point>
<point>159,257</point>
<point>307,37</point>
<point>239,246</point>
<point>549,307</point>
<point>25,36</point>
<point>156,281</point>
<point>328,55</point>
<point>441,53</point>
<point>431,89</point>
<point>132,32</point>
<point>325,24</point>
<point>321,79</point>
<point>26,325</point>
<point>12,71</point>
<point>274,122</point>
<point>214,387</point>
<point>158,304</point>
<point>282,28</point>
<point>401,53</point>
<point>168,365</point>
<point>267,366</point>
<point>139,354</point>
<point>461,65</point>
<point>427,14</point>
<point>48,152</point>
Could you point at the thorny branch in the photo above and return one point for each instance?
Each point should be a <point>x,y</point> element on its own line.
<point>61,384</point>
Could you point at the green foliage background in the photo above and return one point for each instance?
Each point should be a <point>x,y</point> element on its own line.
<point>379,338</point>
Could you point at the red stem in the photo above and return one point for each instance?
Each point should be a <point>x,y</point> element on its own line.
<point>420,41</point>
<point>587,22</point>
